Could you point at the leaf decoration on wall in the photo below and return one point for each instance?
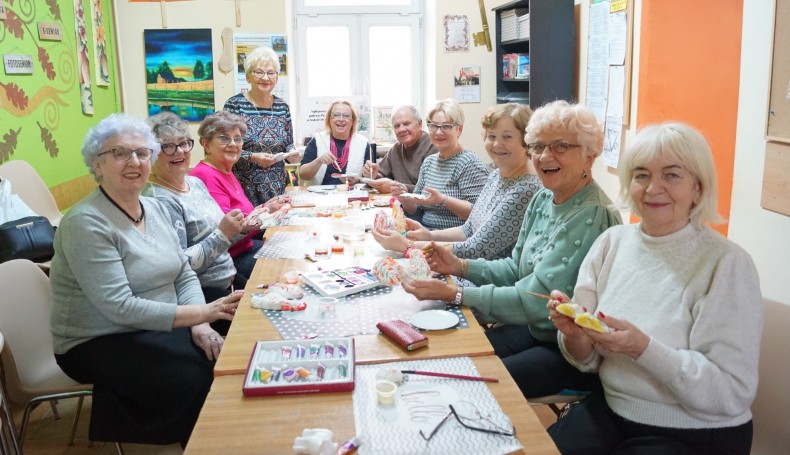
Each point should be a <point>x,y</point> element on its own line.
<point>54,9</point>
<point>46,64</point>
<point>16,95</point>
<point>49,141</point>
<point>8,145</point>
<point>14,24</point>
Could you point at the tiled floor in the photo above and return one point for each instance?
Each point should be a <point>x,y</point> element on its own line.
<point>47,436</point>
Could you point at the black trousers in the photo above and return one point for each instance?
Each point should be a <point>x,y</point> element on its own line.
<point>591,427</point>
<point>538,367</point>
<point>149,386</point>
<point>245,262</point>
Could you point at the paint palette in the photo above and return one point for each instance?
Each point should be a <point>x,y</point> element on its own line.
<point>341,282</point>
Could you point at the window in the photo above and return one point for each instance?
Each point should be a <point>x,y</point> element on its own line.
<point>361,50</point>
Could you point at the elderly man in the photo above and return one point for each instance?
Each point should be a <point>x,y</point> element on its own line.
<point>398,171</point>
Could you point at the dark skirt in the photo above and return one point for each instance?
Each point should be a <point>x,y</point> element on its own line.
<point>148,386</point>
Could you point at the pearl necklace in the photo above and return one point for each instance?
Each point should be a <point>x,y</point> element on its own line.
<point>158,180</point>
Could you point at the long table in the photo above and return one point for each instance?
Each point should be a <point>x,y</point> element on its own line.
<point>250,325</point>
<point>232,423</point>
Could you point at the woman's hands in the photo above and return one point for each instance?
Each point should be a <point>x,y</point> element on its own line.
<point>207,339</point>
<point>442,260</point>
<point>231,223</point>
<point>435,197</point>
<point>263,159</point>
<point>396,188</point>
<point>415,230</point>
<point>625,338</point>
<point>327,158</point>
<point>223,308</point>
<point>390,240</point>
<point>276,203</point>
<point>430,289</point>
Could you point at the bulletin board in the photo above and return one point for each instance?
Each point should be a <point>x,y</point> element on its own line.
<point>778,124</point>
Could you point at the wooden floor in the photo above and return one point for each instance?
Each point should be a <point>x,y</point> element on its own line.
<point>47,436</point>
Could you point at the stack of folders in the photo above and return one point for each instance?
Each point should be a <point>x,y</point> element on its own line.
<point>509,25</point>
<point>523,26</point>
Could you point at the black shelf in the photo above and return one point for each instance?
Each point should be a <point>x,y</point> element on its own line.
<point>551,49</point>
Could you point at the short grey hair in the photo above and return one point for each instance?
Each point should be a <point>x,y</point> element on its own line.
<point>221,122</point>
<point>260,55</point>
<point>113,126</point>
<point>415,113</point>
<point>577,118</point>
<point>451,109</point>
<point>168,125</point>
<point>686,146</point>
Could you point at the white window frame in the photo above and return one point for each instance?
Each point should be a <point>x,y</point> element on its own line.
<point>359,19</point>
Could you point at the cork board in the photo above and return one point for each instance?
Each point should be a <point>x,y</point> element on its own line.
<point>778,128</point>
<point>776,178</point>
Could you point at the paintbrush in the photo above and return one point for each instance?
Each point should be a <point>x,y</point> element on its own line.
<point>450,376</point>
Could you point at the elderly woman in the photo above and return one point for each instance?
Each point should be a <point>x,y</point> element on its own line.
<point>269,137</point>
<point>204,232</point>
<point>452,178</point>
<point>338,150</point>
<point>679,367</point>
<point>561,223</point>
<point>128,312</point>
<point>222,136</point>
<point>493,226</point>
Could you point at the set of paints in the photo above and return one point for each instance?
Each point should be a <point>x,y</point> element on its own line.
<point>309,366</point>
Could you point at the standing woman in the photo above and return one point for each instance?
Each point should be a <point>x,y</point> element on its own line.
<point>128,315</point>
<point>269,129</point>
<point>453,178</point>
<point>338,150</point>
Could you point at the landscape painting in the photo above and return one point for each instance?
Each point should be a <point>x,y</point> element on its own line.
<point>179,72</point>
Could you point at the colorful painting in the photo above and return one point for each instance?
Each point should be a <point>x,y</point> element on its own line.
<point>180,72</point>
<point>100,44</point>
<point>84,64</point>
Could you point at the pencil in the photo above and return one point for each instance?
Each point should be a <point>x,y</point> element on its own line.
<point>450,376</point>
<point>542,296</point>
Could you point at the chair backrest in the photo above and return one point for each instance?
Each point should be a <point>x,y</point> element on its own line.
<point>28,359</point>
<point>27,184</point>
<point>771,407</point>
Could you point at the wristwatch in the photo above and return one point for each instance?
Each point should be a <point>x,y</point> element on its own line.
<point>459,297</point>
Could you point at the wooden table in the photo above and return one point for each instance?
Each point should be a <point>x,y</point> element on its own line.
<point>250,325</point>
<point>234,424</point>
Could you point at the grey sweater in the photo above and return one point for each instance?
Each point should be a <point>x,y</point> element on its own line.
<point>107,277</point>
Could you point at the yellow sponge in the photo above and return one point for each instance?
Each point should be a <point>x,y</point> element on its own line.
<point>591,322</point>
<point>572,310</point>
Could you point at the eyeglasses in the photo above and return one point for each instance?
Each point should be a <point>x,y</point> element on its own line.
<point>469,417</point>
<point>170,148</point>
<point>557,148</point>
<point>124,154</point>
<point>445,127</point>
<point>342,115</point>
<point>260,74</point>
<point>226,140</point>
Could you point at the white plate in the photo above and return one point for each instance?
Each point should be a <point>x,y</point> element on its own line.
<point>415,195</point>
<point>434,320</point>
<point>321,188</point>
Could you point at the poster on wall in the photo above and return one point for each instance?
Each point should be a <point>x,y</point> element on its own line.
<point>179,72</point>
<point>83,62</point>
<point>3,14</point>
<point>244,43</point>
<point>382,124</point>
<point>311,118</point>
<point>456,33</point>
<point>466,84</point>
<point>101,62</point>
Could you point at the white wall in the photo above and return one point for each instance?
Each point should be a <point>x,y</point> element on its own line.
<point>764,234</point>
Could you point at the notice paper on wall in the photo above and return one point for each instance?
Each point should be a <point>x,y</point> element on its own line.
<point>245,43</point>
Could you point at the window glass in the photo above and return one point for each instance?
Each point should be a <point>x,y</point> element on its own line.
<point>390,65</point>
<point>329,62</point>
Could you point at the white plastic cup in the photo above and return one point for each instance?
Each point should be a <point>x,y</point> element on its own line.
<point>385,391</point>
<point>327,307</point>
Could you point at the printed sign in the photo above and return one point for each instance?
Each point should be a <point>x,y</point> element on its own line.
<point>50,31</point>
<point>18,64</point>
<point>2,9</point>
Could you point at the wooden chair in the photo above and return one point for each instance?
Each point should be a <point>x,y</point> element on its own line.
<point>564,397</point>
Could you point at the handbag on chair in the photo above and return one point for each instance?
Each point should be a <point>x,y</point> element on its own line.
<point>30,238</point>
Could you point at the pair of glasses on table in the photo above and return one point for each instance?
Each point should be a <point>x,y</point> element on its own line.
<point>470,418</point>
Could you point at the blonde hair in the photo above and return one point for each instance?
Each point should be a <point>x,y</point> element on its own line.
<point>260,55</point>
<point>679,143</point>
<point>328,116</point>
<point>519,113</point>
<point>577,118</point>
<point>451,109</point>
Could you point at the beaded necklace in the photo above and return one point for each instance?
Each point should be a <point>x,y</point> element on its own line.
<point>133,220</point>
